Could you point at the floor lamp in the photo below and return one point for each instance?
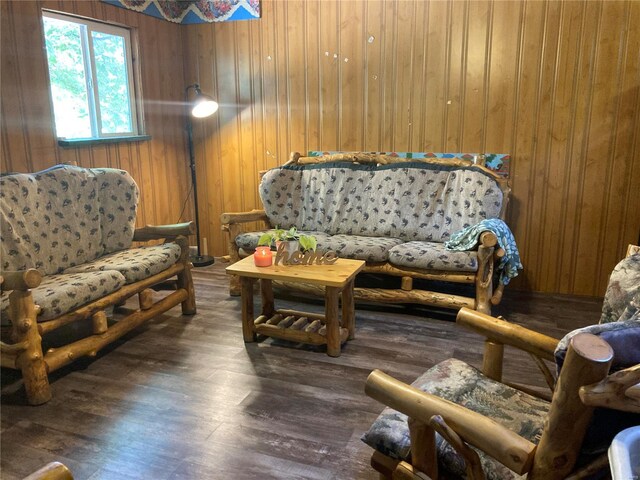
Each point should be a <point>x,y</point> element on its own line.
<point>200,107</point>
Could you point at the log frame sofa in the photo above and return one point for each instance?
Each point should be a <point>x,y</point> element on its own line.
<point>67,256</point>
<point>236,225</point>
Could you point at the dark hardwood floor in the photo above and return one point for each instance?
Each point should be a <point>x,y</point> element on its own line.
<point>183,398</point>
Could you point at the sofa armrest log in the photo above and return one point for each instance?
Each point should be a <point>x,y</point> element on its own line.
<point>51,471</point>
<point>22,280</point>
<point>489,436</point>
<point>506,333</point>
<point>620,390</point>
<point>243,217</point>
<point>155,232</point>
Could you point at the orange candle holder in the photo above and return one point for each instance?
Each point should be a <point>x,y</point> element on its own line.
<point>263,257</point>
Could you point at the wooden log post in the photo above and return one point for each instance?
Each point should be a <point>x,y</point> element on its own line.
<point>332,322</point>
<point>234,230</point>
<point>349,310</point>
<point>30,360</point>
<point>185,279</point>
<point>99,322</point>
<point>492,360</point>
<point>266,293</point>
<point>484,276</point>
<point>424,454</point>
<point>587,361</point>
<point>473,467</point>
<point>406,283</point>
<point>493,351</point>
<point>248,333</point>
<point>145,299</point>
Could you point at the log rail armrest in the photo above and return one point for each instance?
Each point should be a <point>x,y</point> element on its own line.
<point>506,333</point>
<point>243,217</point>
<point>21,280</point>
<point>155,232</point>
<point>620,390</point>
<point>484,433</point>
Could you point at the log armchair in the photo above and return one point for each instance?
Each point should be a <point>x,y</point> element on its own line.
<point>455,420</point>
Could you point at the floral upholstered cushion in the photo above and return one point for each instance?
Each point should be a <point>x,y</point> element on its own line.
<point>65,216</point>
<point>411,201</point>
<point>624,284</point>
<point>460,383</point>
<point>62,293</point>
<point>118,198</point>
<point>370,249</point>
<point>249,241</point>
<point>136,263</point>
<point>50,220</point>
<point>433,256</point>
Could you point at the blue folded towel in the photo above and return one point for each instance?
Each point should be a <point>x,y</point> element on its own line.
<point>468,238</point>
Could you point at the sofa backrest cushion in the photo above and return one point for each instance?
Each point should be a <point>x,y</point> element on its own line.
<point>411,201</point>
<point>65,216</point>
<point>624,285</point>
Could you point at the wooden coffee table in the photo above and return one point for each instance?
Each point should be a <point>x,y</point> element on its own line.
<point>293,325</point>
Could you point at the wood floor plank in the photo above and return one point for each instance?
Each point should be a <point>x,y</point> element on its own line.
<point>183,397</point>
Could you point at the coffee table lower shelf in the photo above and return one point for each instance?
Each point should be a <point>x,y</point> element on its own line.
<point>296,327</point>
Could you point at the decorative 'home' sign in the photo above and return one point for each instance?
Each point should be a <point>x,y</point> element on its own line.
<point>308,258</point>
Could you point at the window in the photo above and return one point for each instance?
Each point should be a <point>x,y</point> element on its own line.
<point>91,75</point>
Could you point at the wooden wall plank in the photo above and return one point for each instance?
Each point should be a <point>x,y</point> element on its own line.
<point>374,23</point>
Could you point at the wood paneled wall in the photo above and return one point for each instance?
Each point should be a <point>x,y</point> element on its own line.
<point>555,83</point>
<point>159,166</point>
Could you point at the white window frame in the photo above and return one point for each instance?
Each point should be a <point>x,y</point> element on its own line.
<point>87,27</point>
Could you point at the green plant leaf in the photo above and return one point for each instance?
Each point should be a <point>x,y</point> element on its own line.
<point>308,242</point>
<point>266,239</point>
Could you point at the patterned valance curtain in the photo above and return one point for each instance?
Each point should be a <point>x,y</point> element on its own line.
<point>194,11</point>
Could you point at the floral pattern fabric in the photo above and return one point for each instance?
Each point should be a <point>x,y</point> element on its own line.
<point>433,256</point>
<point>624,285</point>
<point>411,201</point>
<point>468,238</point>
<point>460,383</point>
<point>118,197</point>
<point>65,216</point>
<point>370,249</point>
<point>136,263</point>
<point>62,293</point>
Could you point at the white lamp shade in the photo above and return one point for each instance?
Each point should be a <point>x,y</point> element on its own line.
<point>204,106</point>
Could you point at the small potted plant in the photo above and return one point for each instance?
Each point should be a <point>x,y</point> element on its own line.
<point>294,239</point>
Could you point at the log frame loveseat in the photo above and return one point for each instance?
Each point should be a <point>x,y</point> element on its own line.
<point>67,257</point>
<point>241,239</point>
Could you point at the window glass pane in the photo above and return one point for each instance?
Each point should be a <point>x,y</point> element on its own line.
<point>68,83</point>
<point>113,82</point>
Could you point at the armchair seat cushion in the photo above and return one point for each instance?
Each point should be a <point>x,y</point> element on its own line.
<point>62,293</point>
<point>460,383</point>
<point>433,256</point>
<point>358,247</point>
<point>134,264</point>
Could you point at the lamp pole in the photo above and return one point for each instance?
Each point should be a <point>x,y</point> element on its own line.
<point>198,260</point>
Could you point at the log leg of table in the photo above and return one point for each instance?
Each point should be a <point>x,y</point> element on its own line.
<point>266,292</point>
<point>332,323</point>
<point>349,310</point>
<point>247,309</point>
